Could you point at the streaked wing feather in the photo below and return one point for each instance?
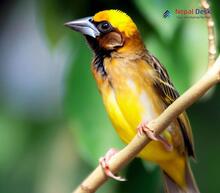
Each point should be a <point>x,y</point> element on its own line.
<point>169,94</point>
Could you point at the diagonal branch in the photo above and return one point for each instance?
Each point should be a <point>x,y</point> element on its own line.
<point>122,158</point>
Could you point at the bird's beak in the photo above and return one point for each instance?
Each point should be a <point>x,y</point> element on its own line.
<point>84,26</point>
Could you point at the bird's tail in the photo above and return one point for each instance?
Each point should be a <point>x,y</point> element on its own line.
<point>172,187</point>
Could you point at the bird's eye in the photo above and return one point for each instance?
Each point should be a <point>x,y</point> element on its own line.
<point>104,27</point>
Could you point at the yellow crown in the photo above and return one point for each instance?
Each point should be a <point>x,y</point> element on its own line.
<point>117,19</point>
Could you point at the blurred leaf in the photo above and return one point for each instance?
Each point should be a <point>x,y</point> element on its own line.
<point>54,13</point>
<point>204,116</point>
<point>53,21</point>
<point>92,128</point>
<point>141,180</point>
<point>12,138</point>
<point>153,11</point>
<point>195,48</point>
<point>216,16</point>
<point>149,166</point>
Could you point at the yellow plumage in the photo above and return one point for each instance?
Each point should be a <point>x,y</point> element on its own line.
<point>132,99</point>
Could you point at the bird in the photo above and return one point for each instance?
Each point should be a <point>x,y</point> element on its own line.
<point>136,88</point>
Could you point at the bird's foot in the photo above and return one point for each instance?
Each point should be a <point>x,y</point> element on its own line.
<point>103,161</point>
<point>144,129</point>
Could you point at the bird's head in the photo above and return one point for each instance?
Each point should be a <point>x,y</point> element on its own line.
<point>109,30</point>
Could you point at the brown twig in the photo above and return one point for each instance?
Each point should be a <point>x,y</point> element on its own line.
<point>97,177</point>
<point>211,33</point>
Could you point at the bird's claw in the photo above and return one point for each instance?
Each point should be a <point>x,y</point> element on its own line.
<point>144,129</point>
<point>103,161</point>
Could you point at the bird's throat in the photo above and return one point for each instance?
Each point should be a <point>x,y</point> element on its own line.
<point>98,63</point>
<point>100,54</point>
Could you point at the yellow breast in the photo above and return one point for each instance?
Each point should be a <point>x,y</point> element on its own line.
<point>129,97</point>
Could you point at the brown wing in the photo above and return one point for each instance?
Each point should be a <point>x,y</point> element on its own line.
<point>169,94</point>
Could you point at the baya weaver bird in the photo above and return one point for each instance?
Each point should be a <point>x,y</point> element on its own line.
<point>136,88</point>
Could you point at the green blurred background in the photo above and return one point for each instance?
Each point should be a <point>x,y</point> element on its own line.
<point>53,127</point>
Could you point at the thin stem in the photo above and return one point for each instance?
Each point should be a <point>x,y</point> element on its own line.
<point>211,34</point>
